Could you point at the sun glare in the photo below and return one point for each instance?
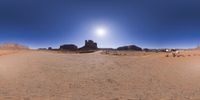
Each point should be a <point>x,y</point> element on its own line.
<point>101,32</point>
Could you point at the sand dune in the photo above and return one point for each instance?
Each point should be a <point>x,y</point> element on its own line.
<point>38,75</point>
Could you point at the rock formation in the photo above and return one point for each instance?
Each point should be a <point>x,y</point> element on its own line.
<point>49,48</point>
<point>130,47</point>
<point>89,45</point>
<point>70,47</point>
<point>146,49</point>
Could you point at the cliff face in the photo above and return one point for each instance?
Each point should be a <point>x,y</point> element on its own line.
<point>13,46</point>
<point>89,45</point>
<point>70,47</point>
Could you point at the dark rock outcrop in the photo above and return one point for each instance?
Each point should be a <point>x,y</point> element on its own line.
<point>89,45</point>
<point>70,47</point>
<point>146,50</point>
<point>130,47</point>
<point>42,48</point>
<point>49,48</point>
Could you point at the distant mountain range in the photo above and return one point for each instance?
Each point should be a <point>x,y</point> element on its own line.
<point>13,46</point>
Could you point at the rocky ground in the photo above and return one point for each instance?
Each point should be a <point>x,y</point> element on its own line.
<point>40,75</point>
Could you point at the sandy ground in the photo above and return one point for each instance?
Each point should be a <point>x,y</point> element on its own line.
<point>37,75</point>
<point>7,52</point>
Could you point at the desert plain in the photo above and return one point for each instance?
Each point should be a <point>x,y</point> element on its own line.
<point>46,75</point>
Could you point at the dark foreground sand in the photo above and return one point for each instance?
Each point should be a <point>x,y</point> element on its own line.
<point>36,75</point>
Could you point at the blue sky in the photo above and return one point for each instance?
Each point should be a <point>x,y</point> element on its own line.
<point>146,23</point>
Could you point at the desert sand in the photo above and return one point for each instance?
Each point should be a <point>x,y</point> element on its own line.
<point>41,75</point>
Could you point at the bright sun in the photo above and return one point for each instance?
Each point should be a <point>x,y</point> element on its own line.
<point>100,32</point>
